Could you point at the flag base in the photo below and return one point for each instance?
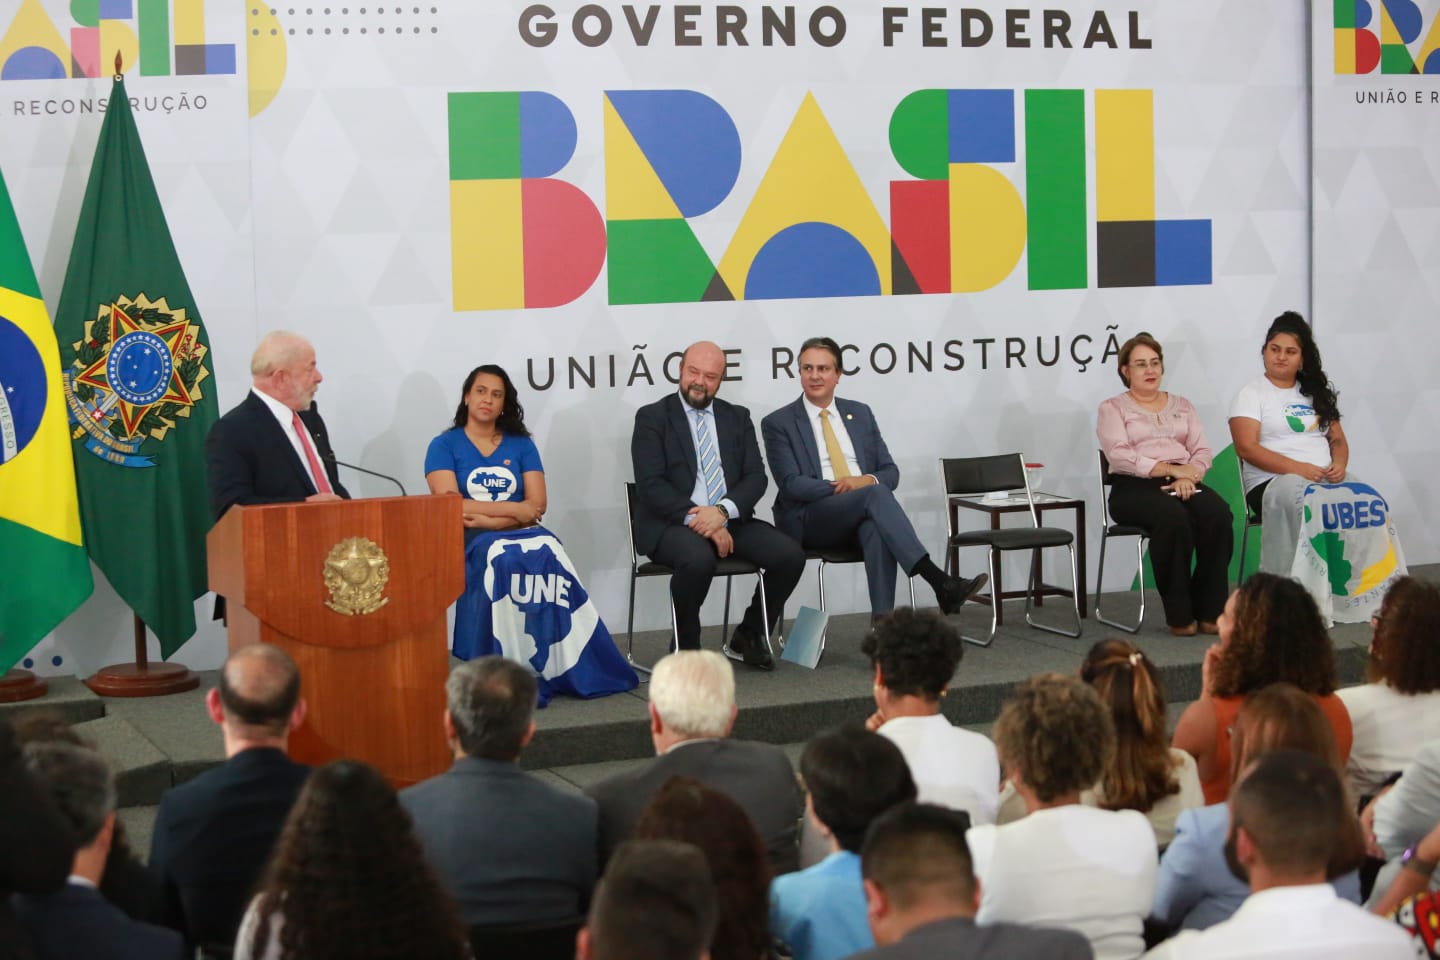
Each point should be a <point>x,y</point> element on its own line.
<point>17,685</point>
<point>142,680</point>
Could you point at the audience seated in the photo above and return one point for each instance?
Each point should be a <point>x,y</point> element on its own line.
<point>76,921</point>
<point>36,841</point>
<point>1401,815</point>
<point>508,847</point>
<point>690,812</point>
<point>922,895</point>
<point>1270,632</point>
<point>915,654</point>
<point>214,833</point>
<point>851,776</point>
<point>1196,887</point>
<point>1063,864</point>
<point>1291,822</point>
<point>1394,715</point>
<point>656,901</point>
<point>348,880</point>
<point>692,710</point>
<point>126,882</point>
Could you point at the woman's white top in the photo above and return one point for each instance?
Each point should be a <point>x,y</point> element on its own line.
<point>1076,867</point>
<point>1390,728</point>
<point>951,766</point>
<point>1289,426</point>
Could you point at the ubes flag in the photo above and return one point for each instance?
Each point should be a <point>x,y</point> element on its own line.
<point>138,388</point>
<point>47,574</point>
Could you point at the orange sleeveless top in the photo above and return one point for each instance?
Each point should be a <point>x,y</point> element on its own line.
<point>1217,788</point>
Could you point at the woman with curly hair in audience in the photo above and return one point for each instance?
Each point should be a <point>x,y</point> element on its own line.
<point>914,655</point>
<point>1064,864</point>
<point>1399,710</point>
<point>1270,632</point>
<point>347,880</point>
<point>1146,774</point>
<point>1196,888</point>
<point>688,811</point>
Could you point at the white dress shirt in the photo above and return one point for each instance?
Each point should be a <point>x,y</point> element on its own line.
<point>1294,923</point>
<point>286,418</point>
<point>699,495</point>
<point>837,423</point>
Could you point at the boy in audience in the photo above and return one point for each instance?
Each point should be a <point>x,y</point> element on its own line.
<point>655,902</point>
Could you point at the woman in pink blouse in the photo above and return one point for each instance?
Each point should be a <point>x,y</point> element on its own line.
<point>1158,456</point>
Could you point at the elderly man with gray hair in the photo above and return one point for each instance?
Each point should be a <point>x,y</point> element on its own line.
<point>692,711</point>
<point>507,846</point>
<point>77,921</point>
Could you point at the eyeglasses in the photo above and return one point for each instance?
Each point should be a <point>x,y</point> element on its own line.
<point>1146,364</point>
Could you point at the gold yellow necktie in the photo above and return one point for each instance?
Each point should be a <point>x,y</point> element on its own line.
<point>832,448</point>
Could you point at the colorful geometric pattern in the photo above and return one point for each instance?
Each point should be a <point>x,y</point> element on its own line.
<point>141,31</point>
<point>1359,50</point>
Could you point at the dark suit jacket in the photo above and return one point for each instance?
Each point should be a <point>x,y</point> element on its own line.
<point>248,458</point>
<point>37,843</point>
<point>213,836</point>
<point>758,776</point>
<point>959,938</point>
<point>77,922</point>
<point>663,456</point>
<point>795,457</point>
<point>508,847</point>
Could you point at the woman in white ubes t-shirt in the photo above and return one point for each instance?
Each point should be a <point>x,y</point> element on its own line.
<point>1286,428</point>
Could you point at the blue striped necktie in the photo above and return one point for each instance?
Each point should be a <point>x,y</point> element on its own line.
<point>710,467</point>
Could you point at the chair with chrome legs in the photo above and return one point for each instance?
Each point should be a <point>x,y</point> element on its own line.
<point>972,477</point>
<point>1108,529</point>
<point>728,568</point>
<point>851,553</point>
<point>1251,521</point>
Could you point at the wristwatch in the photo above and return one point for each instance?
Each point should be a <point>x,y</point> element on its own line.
<point>1410,860</point>
<point>723,511</point>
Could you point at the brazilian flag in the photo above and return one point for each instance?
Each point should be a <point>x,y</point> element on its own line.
<point>139,388</point>
<point>47,574</point>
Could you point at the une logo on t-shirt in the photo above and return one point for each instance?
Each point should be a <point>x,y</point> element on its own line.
<point>1301,417</point>
<point>490,483</point>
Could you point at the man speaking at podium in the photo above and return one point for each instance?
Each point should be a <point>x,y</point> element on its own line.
<point>273,447</point>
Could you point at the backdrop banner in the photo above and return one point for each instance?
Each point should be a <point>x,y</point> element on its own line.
<point>980,202</point>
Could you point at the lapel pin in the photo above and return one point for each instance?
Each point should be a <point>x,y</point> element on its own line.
<point>506,462</point>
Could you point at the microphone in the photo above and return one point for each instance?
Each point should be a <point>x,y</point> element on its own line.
<point>372,473</point>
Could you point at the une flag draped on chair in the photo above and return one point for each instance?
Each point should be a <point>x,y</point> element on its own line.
<point>138,387</point>
<point>47,574</point>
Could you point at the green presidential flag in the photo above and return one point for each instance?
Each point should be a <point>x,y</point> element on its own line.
<point>137,382</point>
<point>47,574</point>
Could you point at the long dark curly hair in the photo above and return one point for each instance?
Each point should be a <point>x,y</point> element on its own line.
<point>1404,653</point>
<point>347,880</point>
<point>1311,379</point>
<point>1278,636</point>
<point>1142,771</point>
<point>512,415</point>
<point>688,811</point>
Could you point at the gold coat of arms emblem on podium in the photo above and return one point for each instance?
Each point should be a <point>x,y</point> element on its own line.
<point>356,572</point>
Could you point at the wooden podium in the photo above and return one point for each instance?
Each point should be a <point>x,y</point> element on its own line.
<point>374,681</point>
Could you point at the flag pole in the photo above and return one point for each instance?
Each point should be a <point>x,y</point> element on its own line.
<point>142,678</point>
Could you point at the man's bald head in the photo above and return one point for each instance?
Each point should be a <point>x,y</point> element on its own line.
<point>283,367</point>
<point>278,348</point>
<point>701,370</point>
<point>259,688</point>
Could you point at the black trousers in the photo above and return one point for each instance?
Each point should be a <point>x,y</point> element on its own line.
<point>693,558</point>
<point>1179,528</point>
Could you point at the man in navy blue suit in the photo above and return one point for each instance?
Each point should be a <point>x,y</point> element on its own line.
<point>698,477</point>
<point>837,484</point>
<point>77,921</point>
<point>273,447</point>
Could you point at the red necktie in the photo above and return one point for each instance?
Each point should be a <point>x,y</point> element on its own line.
<point>322,482</point>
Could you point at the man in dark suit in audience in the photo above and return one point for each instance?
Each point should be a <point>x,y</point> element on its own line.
<point>836,484</point>
<point>656,902</point>
<point>692,710</point>
<point>922,895</point>
<point>508,847</point>
<point>698,477</point>
<point>214,834</point>
<point>273,447</point>
<point>77,921</point>
<point>37,842</point>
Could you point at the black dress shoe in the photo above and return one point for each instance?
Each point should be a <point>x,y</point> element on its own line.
<point>747,647</point>
<point>953,593</point>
